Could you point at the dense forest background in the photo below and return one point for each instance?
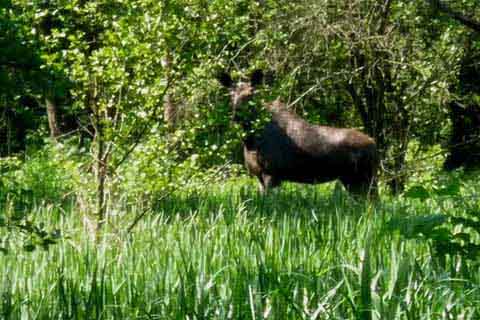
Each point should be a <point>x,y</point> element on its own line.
<point>120,160</point>
<point>130,86</point>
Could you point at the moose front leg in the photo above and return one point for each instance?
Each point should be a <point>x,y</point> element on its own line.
<point>267,182</point>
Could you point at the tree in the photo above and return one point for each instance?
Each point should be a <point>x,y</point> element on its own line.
<point>463,147</point>
<point>375,55</point>
<point>458,16</point>
<point>113,55</point>
<point>20,78</point>
<point>116,75</point>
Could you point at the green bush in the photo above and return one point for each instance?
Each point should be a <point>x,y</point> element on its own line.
<point>185,159</point>
<point>49,175</point>
<point>453,229</point>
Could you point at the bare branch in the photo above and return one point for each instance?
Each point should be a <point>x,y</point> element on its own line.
<point>384,15</point>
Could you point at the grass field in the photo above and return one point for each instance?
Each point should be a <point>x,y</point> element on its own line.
<point>227,253</point>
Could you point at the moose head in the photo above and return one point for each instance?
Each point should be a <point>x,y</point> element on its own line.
<point>242,92</point>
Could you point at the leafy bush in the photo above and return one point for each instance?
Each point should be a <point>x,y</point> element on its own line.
<point>450,233</point>
<point>184,159</point>
<point>48,175</point>
<point>45,182</point>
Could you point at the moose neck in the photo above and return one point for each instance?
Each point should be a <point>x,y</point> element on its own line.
<point>246,121</point>
<point>247,126</point>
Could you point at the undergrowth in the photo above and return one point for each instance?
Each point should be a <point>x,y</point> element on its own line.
<point>225,252</point>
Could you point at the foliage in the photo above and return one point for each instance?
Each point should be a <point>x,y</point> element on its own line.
<point>46,180</point>
<point>179,240</point>
<point>107,64</point>
<point>32,235</point>
<point>50,175</point>
<point>20,80</point>
<point>183,160</point>
<point>454,235</point>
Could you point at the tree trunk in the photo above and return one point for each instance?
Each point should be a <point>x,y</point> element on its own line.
<point>101,170</point>
<point>399,179</point>
<point>101,155</point>
<point>170,109</point>
<point>52,116</point>
<point>387,121</point>
<point>369,99</point>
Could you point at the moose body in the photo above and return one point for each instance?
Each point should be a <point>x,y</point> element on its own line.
<point>289,148</point>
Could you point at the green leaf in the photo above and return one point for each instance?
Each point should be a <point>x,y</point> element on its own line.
<point>441,234</point>
<point>29,247</point>
<point>466,222</point>
<point>417,192</point>
<point>452,189</point>
<point>411,227</point>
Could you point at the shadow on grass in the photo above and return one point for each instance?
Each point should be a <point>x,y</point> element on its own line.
<point>291,199</point>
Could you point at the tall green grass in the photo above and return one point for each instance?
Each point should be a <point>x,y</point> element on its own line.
<point>226,252</point>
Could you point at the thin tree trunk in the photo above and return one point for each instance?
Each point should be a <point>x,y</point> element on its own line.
<point>52,116</point>
<point>170,112</point>
<point>101,158</point>
<point>170,109</point>
<point>101,162</point>
<point>9,136</point>
<point>399,179</point>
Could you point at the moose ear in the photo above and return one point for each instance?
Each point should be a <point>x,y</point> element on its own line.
<point>225,79</point>
<point>257,77</point>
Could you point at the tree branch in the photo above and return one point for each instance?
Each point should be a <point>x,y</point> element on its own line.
<point>385,13</point>
<point>143,131</point>
<point>357,101</point>
<point>466,21</point>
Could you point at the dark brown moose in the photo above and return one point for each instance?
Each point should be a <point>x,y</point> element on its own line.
<point>290,149</point>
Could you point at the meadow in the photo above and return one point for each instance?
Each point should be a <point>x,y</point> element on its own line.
<point>226,252</point>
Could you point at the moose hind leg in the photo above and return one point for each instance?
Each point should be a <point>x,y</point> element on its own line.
<point>359,188</point>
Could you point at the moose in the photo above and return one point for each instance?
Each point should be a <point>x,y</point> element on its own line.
<point>288,148</point>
